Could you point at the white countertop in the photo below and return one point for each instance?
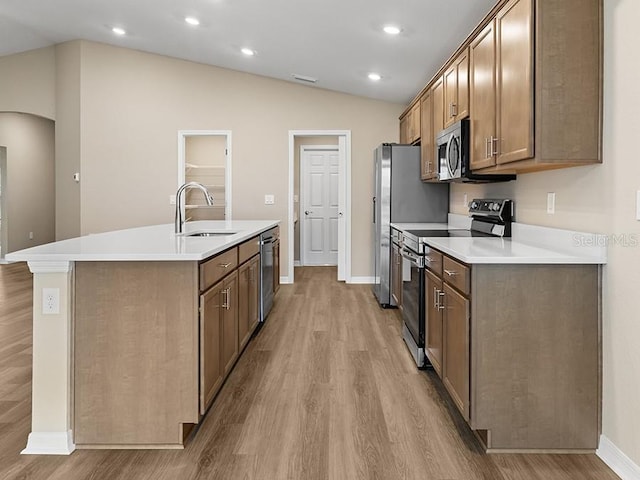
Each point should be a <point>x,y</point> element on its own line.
<point>529,244</point>
<point>156,242</point>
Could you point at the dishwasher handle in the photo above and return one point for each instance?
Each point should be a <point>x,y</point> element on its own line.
<point>414,258</point>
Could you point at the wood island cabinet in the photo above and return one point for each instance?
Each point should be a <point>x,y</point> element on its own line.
<point>456,90</point>
<point>517,349</point>
<point>248,308</point>
<point>154,342</point>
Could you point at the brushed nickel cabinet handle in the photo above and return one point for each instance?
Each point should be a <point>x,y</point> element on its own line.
<point>225,302</point>
<point>451,273</point>
<point>487,154</point>
<point>454,109</point>
<point>436,297</point>
<point>429,259</point>
<point>494,146</point>
<point>441,305</point>
<point>224,265</point>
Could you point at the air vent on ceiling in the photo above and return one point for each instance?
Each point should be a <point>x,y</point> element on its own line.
<point>304,78</point>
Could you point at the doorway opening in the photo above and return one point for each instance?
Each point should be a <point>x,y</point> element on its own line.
<point>342,183</point>
<point>204,156</point>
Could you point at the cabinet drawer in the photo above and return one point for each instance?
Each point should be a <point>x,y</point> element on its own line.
<point>248,249</point>
<point>214,269</point>
<point>433,261</point>
<point>456,274</point>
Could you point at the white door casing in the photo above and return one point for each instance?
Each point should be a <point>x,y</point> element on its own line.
<point>319,168</point>
<point>344,195</point>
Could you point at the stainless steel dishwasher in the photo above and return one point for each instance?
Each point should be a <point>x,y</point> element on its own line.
<point>268,242</point>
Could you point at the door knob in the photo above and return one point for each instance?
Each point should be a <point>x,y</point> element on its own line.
<point>307,212</point>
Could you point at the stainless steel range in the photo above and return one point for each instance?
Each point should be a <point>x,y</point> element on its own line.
<point>490,218</point>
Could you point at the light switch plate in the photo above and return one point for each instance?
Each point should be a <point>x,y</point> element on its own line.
<point>551,202</point>
<point>269,199</point>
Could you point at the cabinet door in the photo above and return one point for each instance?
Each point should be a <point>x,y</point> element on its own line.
<point>229,309</point>
<point>254,293</point>
<point>276,266</point>
<point>462,105</point>
<point>514,55</point>
<point>455,366</point>
<point>244,305</point>
<point>415,123</point>
<point>428,168</point>
<point>437,95</point>
<point>404,130</point>
<point>450,94</point>
<point>396,275</point>
<point>433,320</point>
<point>211,371</point>
<point>482,97</point>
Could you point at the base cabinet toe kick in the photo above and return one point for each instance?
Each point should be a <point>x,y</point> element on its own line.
<point>154,343</point>
<point>518,350</point>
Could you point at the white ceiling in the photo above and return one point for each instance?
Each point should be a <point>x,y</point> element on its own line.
<point>336,41</point>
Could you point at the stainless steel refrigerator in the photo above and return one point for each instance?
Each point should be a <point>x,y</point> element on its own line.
<point>400,197</point>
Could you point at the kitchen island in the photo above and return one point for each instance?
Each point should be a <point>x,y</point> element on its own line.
<point>513,329</point>
<point>134,331</point>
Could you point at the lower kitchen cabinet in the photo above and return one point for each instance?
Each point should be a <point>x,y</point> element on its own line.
<point>518,350</point>
<point>396,275</point>
<point>455,335</point>
<point>433,308</point>
<point>248,300</point>
<point>218,336</point>
<point>211,370</point>
<point>276,266</point>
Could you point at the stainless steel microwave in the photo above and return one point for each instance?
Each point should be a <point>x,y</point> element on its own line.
<point>453,157</point>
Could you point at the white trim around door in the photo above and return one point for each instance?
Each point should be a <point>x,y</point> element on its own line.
<point>344,194</point>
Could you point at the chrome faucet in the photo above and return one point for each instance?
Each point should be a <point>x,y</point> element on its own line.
<point>180,202</point>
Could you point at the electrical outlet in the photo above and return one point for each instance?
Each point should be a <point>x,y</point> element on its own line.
<point>30,235</point>
<point>172,199</point>
<point>269,199</point>
<point>551,202</point>
<point>50,301</point>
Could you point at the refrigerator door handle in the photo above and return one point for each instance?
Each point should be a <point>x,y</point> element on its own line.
<point>374,209</point>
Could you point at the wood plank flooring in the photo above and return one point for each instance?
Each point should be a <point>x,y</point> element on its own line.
<point>326,390</point>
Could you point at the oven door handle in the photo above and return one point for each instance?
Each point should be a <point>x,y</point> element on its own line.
<point>417,260</point>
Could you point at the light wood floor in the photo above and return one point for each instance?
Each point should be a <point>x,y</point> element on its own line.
<point>326,390</point>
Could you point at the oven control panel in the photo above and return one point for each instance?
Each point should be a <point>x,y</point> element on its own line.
<point>501,209</point>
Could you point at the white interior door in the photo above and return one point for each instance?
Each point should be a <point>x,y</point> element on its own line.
<point>320,202</point>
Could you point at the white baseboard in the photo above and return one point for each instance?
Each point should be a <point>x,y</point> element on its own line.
<point>616,460</point>
<point>285,280</point>
<point>362,280</point>
<point>49,443</point>
<point>296,263</point>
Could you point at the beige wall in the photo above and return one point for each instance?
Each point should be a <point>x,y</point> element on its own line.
<point>68,143</point>
<point>27,82</point>
<point>297,143</point>
<point>134,103</point>
<point>29,188</point>
<point>602,199</point>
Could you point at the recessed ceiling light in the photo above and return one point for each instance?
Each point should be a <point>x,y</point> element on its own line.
<point>118,30</point>
<point>192,21</point>
<point>392,29</point>
<point>374,76</point>
<point>248,52</point>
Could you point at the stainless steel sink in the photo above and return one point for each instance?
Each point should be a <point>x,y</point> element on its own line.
<point>208,234</point>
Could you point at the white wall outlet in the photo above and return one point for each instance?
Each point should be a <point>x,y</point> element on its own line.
<point>551,202</point>
<point>30,235</point>
<point>269,199</point>
<point>466,200</point>
<point>172,199</point>
<point>50,301</point>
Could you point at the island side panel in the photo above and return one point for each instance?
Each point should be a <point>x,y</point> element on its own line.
<point>136,352</point>
<point>535,356</point>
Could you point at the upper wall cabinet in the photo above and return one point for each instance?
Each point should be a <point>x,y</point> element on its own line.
<point>456,90</point>
<point>534,70</point>
<point>410,125</point>
<point>428,167</point>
